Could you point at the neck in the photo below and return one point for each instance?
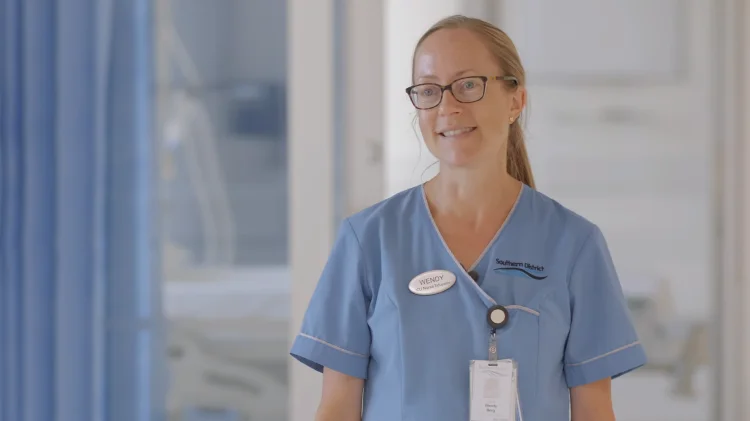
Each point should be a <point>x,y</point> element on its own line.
<point>472,195</point>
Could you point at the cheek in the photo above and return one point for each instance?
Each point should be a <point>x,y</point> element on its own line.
<point>493,124</point>
<point>426,122</point>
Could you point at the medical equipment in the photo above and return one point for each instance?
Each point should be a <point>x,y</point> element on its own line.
<point>677,347</point>
<point>187,127</point>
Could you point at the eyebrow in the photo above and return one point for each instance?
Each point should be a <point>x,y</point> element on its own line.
<point>453,77</point>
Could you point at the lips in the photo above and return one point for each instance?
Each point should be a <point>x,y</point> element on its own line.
<point>457,132</point>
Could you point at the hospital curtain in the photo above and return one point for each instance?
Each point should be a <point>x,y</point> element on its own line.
<point>79,332</point>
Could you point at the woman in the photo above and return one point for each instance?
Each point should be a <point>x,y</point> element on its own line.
<point>402,305</point>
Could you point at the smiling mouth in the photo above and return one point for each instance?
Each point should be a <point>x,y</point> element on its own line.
<point>457,132</point>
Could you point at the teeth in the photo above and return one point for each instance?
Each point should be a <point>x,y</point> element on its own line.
<point>456,132</point>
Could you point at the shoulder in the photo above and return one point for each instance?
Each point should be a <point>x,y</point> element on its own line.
<point>366,236</point>
<point>556,223</point>
<point>552,214</point>
<point>386,215</point>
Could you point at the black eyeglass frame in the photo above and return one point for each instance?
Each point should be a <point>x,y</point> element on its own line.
<point>448,87</point>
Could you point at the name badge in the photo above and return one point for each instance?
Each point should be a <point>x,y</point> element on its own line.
<point>432,282</point>
<point>493,390</point>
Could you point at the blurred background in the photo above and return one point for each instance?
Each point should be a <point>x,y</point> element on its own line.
<point>172,173</point>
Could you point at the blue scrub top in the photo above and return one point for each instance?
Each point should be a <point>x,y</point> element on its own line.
<point>569,324</point>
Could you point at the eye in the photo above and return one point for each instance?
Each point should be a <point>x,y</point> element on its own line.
<point>427,92</point>
<point>469,84</point>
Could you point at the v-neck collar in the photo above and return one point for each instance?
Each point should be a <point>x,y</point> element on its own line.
<point>492,241</point>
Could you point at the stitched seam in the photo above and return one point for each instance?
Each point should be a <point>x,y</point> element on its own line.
<point>364,260</point>
<point>435,231</point>
<point>499,231</point>
<point>578,254</point>
<point>522,308</point>
<point>337,348</point>
<point>604,355</point>
<point>401,355</point>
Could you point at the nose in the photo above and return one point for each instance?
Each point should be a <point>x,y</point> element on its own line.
<point>449,104</point>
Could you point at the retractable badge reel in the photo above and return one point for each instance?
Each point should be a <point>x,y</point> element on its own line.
<point>494,383</point>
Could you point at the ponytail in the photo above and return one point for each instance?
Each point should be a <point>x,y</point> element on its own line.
<point>518,165</point>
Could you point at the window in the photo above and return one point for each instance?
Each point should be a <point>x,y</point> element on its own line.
<point>222,141</point>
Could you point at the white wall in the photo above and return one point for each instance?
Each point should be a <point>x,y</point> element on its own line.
<point>311,189</point>
<point>315,176</point>
<point>745,117</point>
<point>735,392</point>
<point>638,156</point>
<point>364,110</point>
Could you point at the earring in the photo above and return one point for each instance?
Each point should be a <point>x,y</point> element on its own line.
<point>511,120</point>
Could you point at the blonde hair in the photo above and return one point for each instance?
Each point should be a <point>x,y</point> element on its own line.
<point>502,48</point>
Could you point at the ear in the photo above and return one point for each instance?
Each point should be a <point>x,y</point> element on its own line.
<point>518,101</point>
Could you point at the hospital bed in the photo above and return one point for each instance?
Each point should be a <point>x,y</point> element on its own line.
<point>675,346</point>
<point>227,344</point>
<point>677,381</point>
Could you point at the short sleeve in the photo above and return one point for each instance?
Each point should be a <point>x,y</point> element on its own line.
<point>602,341</point>
<point>334,331</point>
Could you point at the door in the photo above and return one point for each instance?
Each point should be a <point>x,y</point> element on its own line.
<point>335,146</point>
<point>624,127</point>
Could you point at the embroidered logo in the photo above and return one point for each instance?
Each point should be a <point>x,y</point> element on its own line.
<point>527,269</point>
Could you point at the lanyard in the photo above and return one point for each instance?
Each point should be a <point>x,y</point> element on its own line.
<point>493,346</point>
<point>497,317</point>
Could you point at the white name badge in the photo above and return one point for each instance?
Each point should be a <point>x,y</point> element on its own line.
<point>494,391</point>
<point>432,282</point>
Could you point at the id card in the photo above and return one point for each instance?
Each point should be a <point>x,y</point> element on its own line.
<point>493,394</point>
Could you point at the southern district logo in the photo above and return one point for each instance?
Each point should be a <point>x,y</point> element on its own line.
<point>528,269</point>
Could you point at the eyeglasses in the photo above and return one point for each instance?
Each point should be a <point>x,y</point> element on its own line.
<point>466,90</point>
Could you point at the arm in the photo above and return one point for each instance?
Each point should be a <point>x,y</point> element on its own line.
<point>334,338</point>
<point>342,397</point>
<point>592,402</point>
<point>602,342</point>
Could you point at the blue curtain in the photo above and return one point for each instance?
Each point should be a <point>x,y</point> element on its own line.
<point>79,303</point>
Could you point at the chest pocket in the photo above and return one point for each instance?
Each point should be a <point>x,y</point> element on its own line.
<point>520,338</point>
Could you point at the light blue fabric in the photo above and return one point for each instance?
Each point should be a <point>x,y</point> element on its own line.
<point>78,308</point>
<point>550,267</point>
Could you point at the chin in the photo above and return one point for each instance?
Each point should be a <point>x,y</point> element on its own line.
<point>458,154</point>
<point>458,160</point>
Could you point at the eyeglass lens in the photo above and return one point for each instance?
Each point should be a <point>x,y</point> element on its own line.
<point>464,90</point>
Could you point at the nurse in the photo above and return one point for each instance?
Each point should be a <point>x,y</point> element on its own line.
<point>401,307</point>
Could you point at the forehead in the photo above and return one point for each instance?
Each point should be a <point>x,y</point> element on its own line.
<point>450,53</point>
